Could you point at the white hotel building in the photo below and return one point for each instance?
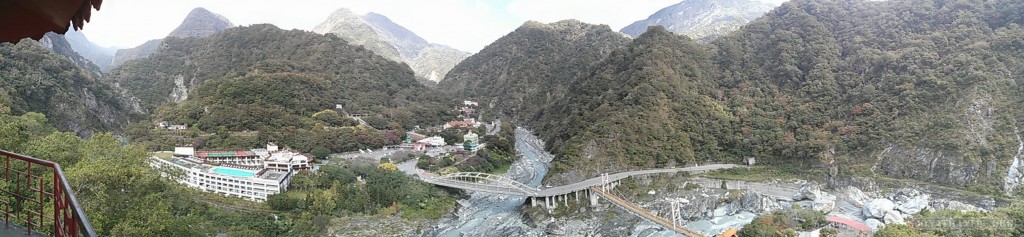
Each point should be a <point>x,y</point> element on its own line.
<point>253,174</point>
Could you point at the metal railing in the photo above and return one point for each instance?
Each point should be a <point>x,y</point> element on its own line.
<point>27,189</point>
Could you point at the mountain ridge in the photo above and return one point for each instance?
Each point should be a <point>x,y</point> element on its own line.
<point>198,23</point>
<point>523,69</point>
<point>101,56</point>
<point>378,33</point>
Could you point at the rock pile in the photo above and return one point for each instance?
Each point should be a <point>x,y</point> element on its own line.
<point>895,209</point>
<point>819,200</point>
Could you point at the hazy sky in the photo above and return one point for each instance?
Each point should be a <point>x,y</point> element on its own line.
<point>468,25</point>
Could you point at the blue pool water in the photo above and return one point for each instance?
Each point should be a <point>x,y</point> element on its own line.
<point>233,172</point>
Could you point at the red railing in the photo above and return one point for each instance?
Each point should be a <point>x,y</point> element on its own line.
<point>31,185</point>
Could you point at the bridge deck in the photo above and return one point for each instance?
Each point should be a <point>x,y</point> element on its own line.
<point>509,188</point>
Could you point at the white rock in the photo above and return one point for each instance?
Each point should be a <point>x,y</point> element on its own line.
<point>824,203</point>
<point>808,191</point>
<point>875,224</point>
<point>721,211</point>
<point>893,217</point>
<point>877,208</point>
<point>652,192</point>
<point>915,204</point>
<point>852,195</point>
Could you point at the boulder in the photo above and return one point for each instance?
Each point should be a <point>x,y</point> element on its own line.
<point>905,194</point>
<point>876,208</point>
<point>893,217</point>
<point>852,195</point>
<point>719,212</point>
<point>875,224</point>
<point>824,203</point>
<point>753,202</point>
<point>808,191</point>
<point>913,205</point>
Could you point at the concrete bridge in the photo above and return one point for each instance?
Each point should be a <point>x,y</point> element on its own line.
<point>549,197</point>
<point>483,182</point>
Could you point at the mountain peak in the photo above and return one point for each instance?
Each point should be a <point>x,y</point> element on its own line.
<point>343,13</point>
<point>201,23</point>
<point>384,37</point>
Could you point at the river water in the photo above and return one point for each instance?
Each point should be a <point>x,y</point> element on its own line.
<point>485,214</point>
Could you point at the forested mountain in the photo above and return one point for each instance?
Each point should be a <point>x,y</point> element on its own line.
<point>36,79</point>
<point>231,81</point>
<point>531,66</point>
<point>198,23</point>
<point>921,89</point>
<point>646,105</point>
<point>702,19</point>
<point>101,56</point>
<point>379,34</point>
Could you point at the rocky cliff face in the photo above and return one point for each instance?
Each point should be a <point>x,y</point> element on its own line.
<point>702,19</point>
<point>379,34</point>
<point>199,23</point>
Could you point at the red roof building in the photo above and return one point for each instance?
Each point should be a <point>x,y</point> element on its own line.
<point>849,223</point>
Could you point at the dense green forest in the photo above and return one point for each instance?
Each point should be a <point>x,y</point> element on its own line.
<point>235,83</point>
<point>642,106</point>
<point>532,65</point>
<point>35,79</point>
<point>845,87</point>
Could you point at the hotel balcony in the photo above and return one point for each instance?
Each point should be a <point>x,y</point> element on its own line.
<point>37,200</point>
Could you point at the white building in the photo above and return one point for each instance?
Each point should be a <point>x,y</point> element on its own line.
<point>434,141</point>
<point>469,103</point>
<point>252,174</point>
<point>286,160</point>
<point>254,185</point>
<point>184,150</point>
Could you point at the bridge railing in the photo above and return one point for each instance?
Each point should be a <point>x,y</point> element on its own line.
<point>35,194</point>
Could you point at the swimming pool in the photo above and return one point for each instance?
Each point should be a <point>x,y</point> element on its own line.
<point>234,172</point>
